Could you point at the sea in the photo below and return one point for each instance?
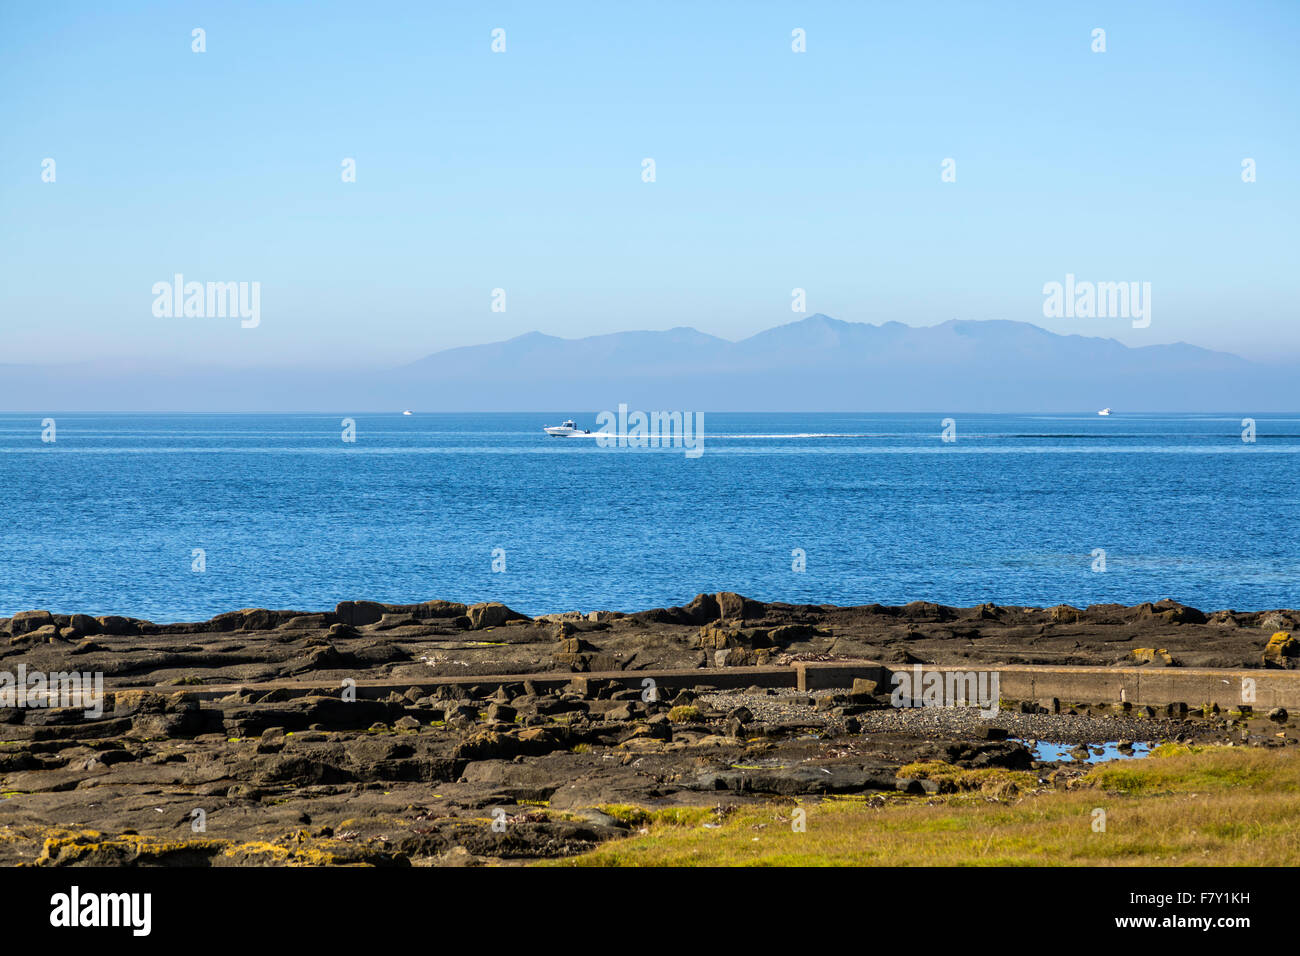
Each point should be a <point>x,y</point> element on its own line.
<point>180,517</point>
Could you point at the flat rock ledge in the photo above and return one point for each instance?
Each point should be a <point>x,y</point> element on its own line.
<point>514,769</point>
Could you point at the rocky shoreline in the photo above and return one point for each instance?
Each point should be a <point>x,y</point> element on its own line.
<point>515,770</point>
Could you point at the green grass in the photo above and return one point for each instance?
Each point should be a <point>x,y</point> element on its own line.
<point>962,779</point>
<point>666,817</point>
<point>1183,806</point>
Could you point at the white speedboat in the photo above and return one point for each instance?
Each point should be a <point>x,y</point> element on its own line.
<point>565,430</point>
<point>407,412</point>
<point>1104,411</point>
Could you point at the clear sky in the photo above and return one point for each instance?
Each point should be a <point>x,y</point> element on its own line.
<point>522,170</point>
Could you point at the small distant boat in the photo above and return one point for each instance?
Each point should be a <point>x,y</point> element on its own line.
<point>1104,411</point>
<point>565,430</point>
<point>407,412</point>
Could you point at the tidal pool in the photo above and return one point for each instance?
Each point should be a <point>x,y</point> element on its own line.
<point>1045,750</point>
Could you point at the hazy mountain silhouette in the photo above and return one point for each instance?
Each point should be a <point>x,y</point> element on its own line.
<point>815,364</point>
<point>820,363</point>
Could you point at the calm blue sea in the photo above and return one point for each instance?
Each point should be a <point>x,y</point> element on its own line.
<point>106,519</point>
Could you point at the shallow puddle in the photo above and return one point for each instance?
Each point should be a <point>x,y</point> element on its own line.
<point>1045,750</point>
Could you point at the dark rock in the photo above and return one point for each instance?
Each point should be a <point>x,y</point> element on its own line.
<point>25,622</point>
<point>702,610</point>
<point>795,780</point>
<point>359,613</point>
<point>865,687</point>
<point>491,614</point>
<point>732,606</point>
<point>1282,651</point>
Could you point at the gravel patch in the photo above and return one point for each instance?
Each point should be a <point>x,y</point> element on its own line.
<point>1058,728</point>
<point>782,707</point>
<point>939,723</point>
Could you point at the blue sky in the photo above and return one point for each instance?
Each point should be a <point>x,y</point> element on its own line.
<point>522,170</point>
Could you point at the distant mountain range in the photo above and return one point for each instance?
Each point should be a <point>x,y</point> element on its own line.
<point>815,364</point>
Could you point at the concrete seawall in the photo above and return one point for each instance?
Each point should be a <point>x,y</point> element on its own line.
<point>1155,686</point>
<point>1071,685</point>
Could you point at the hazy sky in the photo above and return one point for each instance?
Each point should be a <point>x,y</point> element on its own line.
<point>522,170</point>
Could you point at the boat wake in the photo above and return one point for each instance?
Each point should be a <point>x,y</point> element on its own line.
<point>815,435</point>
